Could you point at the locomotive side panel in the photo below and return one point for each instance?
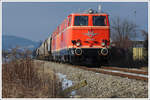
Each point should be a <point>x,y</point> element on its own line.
<point>61,40</point>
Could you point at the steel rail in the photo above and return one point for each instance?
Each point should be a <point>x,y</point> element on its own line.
<point>126,70</point>
<point>113,73</point>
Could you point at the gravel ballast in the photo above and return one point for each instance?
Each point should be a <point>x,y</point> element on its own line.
<point>100,85</point>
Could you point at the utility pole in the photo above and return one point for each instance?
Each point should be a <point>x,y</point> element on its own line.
<point>135,22</point>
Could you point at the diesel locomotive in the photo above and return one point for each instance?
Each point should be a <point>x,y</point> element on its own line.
<point>80,38</point>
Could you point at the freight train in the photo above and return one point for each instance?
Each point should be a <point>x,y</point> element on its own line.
<point>80,38</point>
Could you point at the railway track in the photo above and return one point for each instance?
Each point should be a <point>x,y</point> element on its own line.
<point>122,72</point>
<point>115,71</point>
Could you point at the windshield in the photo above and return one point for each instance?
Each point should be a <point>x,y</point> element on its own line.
<point>99,20</point>
<point>81,21</point>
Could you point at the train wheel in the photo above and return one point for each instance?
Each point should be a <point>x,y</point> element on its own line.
<point>56,59</point>
<point>71,60</point>
<point>59,59</point>
<point>62,59</point>
<point>67,59</point>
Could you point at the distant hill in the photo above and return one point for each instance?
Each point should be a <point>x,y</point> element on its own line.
<point>9,42</point>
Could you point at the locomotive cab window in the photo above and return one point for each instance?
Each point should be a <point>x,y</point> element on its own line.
<point>99,20</point>
<point>69,22</point>
<point>81,21</point>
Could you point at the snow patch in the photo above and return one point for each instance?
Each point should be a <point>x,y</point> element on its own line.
<point>65,82</point>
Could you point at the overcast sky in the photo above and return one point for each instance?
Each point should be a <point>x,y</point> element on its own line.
<point>35,21</point>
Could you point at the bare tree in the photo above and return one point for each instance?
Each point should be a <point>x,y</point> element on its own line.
<point>122,32</point>
<point>145,34</point>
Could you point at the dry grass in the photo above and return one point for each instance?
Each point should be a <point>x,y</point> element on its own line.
<point>24,79</point>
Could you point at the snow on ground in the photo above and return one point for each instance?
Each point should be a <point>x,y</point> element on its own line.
<point>65,82</point>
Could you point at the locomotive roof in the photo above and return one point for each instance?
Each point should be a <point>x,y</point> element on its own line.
<point>88,14</point>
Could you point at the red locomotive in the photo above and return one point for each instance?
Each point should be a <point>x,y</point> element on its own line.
<point>81,37</point>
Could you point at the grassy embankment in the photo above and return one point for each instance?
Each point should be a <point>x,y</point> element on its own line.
<point>22,78</point>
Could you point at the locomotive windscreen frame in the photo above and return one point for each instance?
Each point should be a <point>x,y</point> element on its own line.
<point>81,21</point>
<point>99,20</point>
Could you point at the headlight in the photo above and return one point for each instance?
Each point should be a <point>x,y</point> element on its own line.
<point>78,44</point>
<point>103,44</point>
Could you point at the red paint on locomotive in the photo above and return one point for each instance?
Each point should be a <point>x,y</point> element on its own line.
<point>66,32</point>
<point>83,31</point>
